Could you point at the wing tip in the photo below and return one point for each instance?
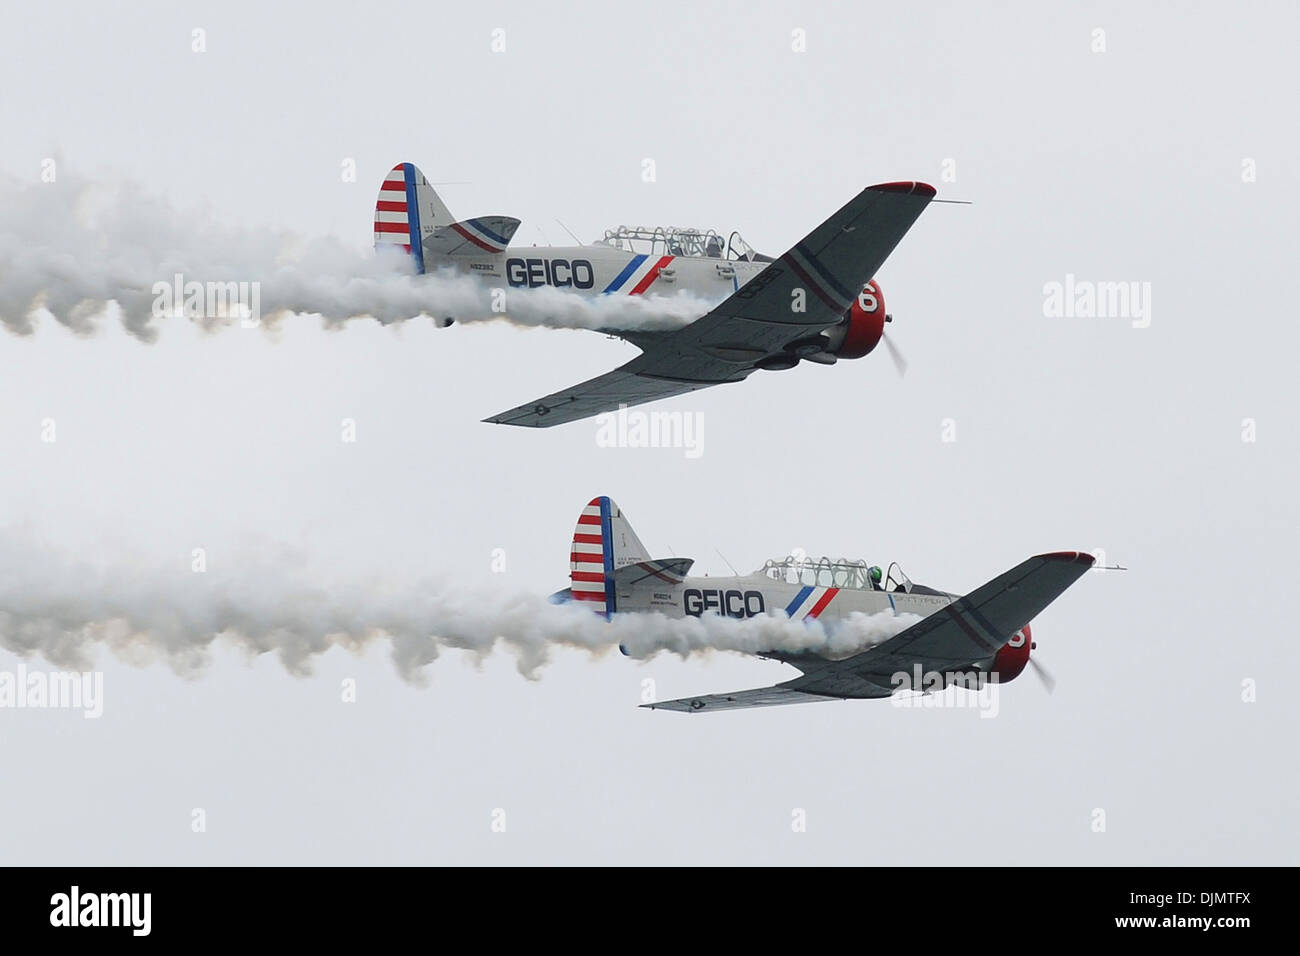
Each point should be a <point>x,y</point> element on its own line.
<point>1072,557</point>
<point>909,188</point>
<point>682,705</point>
<point>503,420</point>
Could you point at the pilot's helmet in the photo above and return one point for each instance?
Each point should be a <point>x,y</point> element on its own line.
<point>874,571</point>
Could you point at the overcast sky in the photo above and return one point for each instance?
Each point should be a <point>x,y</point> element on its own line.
<point>1164,157</point>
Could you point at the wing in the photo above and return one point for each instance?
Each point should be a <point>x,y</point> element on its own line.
<point>756,323</point>
<point>972,628</point>
<point>758,697</point>
<point>830,266</point>
<point>604,393</point>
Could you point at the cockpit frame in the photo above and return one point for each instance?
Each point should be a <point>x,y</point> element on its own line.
<point>820,572</point>
<point>680,241</point>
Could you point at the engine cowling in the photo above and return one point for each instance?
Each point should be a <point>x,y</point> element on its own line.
<point>1013,657</point>
<point>863,325</point>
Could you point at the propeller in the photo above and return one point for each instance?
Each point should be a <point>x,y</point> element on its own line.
<point>900,363</point>
<point>1048,680</point>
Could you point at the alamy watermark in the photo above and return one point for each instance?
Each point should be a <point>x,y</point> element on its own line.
<point>1085,299</point>
<point>925,687</point>
<point>62,690</point>
<point>208,300</point>
<point>624,429</point>
<point>128,910</point>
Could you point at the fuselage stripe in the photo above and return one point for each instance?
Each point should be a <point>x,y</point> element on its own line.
<point>651,275</point>
<point>825,600</point>
<point>798,600</point>
<point>626,274</point>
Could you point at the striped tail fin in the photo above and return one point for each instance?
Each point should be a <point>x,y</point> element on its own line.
<point>603,542</point>
<point>408,209</point>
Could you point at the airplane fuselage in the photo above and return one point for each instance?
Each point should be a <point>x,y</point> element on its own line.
<point>605,270</point>
<point>756,594</point>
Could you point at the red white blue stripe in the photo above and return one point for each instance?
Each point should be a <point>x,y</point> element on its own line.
<point>810,602</point>
<point>638,275</point>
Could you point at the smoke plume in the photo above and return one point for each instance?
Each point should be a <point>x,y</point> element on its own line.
<point>78,250</point>
<point>64,610</point>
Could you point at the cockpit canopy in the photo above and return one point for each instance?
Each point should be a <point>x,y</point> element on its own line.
<point>844,573</point>
<point>680,241</point>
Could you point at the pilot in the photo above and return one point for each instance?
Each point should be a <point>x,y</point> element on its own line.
<point>713,249</point>
<point>874,574</point>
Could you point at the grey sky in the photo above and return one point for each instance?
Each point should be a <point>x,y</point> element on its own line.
<point>1071,433</point>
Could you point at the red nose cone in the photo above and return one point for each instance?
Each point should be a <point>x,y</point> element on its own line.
<point>866,323</point>
<point>1014,656</point>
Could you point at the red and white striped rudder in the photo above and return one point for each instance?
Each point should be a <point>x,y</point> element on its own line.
<point>603,542</point>
<point>407,211</point>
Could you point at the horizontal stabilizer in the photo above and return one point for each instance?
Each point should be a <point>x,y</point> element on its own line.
<point>486,235</point>
<point>670,571</point>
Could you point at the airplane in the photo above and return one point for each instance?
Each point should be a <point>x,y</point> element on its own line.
<point>819,302</point>
<point>961,640</point>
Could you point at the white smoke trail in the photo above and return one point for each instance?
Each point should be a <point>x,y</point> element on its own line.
<point>62,611</point>
<point>71,248</point>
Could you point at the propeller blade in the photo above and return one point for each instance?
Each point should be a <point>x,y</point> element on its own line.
<point>1048,681</point>
<point>900,363</point>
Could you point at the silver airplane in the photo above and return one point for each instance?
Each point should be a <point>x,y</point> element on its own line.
<point>819,302</point>
<point>985,632</point>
